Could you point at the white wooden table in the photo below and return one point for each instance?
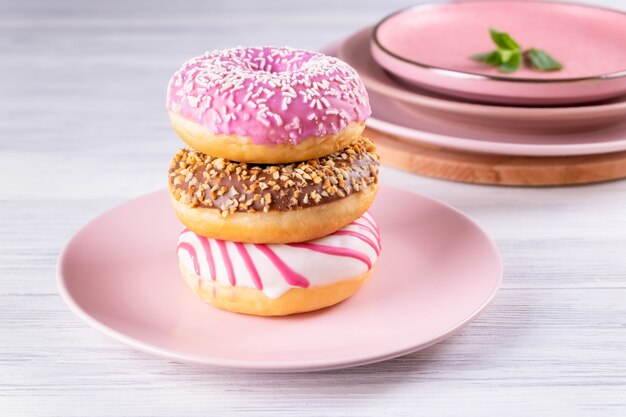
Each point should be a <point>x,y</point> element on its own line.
<point>83,128</point>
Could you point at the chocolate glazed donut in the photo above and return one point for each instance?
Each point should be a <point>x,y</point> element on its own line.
<point>273,203</point>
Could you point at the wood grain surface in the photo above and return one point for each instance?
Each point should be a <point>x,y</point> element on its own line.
<point>83,128</point>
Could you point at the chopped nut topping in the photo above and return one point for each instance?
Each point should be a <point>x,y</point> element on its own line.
<point>199,180</point>
<point>219,163</point>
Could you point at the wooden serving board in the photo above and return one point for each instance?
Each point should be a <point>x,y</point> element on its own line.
<point>457,165</point>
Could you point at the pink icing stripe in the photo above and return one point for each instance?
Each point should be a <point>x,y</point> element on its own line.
<point>331,250</point>
<point>209,255</point>
<point>249,265</point>
<point>227,261</point>
<point>364,230</point>
<point>192,252</point>
<point>291,277</point>
<point>372,227</point>
<point>370,222</point>
<point>363,226</point>
<point>359,236</point>
<point>369,229</point>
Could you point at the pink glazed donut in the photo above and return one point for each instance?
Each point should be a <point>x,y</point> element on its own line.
<point>267,105</point>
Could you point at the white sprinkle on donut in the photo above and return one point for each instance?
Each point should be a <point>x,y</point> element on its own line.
<point>277,86</point>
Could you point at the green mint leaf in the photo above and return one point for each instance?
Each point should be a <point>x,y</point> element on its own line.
<point>506,55</point>
<point>503,40</point>
<point>541,61</point>
<point>489,58</point>
<point>509,56</point>
<point>512,64</point>
<point>481,57</point>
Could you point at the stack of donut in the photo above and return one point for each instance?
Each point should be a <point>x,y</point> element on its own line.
<point>274,186</point>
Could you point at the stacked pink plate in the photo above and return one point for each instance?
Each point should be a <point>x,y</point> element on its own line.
<point>425,88</point>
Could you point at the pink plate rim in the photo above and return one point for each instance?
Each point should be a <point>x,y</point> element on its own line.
<point>394,90</point>
<point>269,366</point>
<point>496,148</point>
<point>537,149</point>
<point>511,78</point>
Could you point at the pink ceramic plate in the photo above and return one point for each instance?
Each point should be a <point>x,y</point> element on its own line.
<point>396,118</point>
<point>438,271</point>
<point>356,52</point>
<point>429,45</point>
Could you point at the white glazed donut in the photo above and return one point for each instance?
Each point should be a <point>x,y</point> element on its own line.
<point>280,279</point>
